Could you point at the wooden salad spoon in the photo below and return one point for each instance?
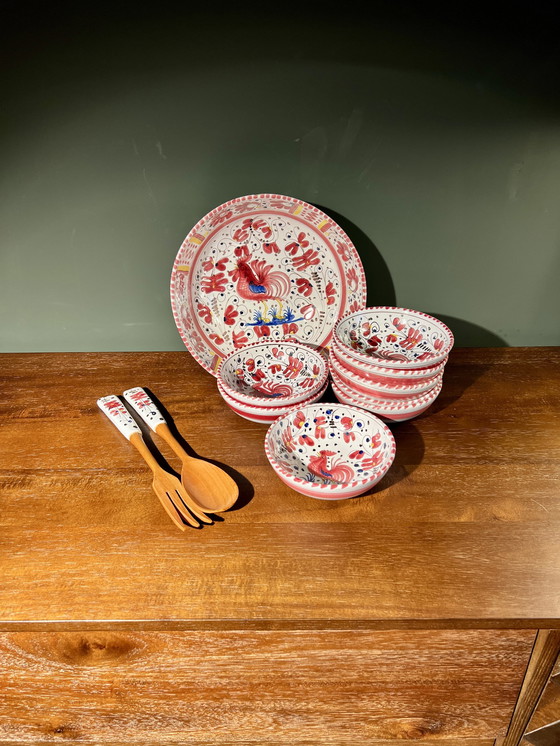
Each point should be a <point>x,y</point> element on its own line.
<point>209,486</point>
<point>167,487</point>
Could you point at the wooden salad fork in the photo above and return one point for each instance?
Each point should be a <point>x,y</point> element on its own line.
<point>166,486</point>
<point>210,488</point>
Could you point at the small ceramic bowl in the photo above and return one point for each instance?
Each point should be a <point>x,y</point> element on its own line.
<point>385,390</point>
<point>393,337</point>
<point>330,451</point>
<point>377,374</point>
<point>273,373</point>
<point>396,411</point>
<point>265,414</point>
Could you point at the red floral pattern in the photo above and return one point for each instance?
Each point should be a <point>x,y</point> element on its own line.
<point>412,339</point>
<point>330,293</point>
<point>271,248</point>
<point>230,314</point>
<point>299,419</point>
<point>343,250</point>
<point>348,434</point>
<point>219,264</point>
<point>214,283</point>
<point>240,339</point>
<point>352,277</point>
<point>221,218</point>
<point>300,243</point>
<point>288,440</point>
<point>293,368</point>
<point>304,286</point>
<point>320,422</point>
<point>205,313</point>
<point>308,259</point>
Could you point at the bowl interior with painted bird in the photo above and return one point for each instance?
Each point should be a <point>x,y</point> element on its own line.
<point>393,337</point>
<point>263,267</point>
<point>273,373</point>
<point>330,451</point>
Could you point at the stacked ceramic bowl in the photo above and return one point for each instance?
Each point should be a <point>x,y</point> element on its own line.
<point>263,381</point>
<point>389,361</point>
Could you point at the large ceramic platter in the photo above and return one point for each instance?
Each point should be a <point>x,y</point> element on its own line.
<point>263,267</point>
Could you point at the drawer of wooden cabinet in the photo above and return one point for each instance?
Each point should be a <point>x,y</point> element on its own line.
<point>261,687</point>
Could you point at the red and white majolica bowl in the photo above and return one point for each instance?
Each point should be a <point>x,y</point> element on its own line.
<point>263,413</point>
<point>386,389</point>
<point>377,374</point>
<point>273,373</point>
<point>330,451</point>
<point>263,266</point>
<point>393,337</point>
<point>395,411</point>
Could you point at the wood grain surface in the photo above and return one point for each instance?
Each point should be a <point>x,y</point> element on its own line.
<point>464,530</point>
<point>262,687</point>
<point>255,742</point>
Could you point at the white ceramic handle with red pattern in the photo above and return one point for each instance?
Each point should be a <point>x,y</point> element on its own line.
<point>119,415</point>
<point>144,406</point>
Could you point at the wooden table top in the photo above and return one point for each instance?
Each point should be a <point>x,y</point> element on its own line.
<point>463,531</point>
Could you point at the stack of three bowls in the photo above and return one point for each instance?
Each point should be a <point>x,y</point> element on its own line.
<point>389,361</point>
<point>263,381</point>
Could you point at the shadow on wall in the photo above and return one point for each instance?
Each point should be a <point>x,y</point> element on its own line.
<point>381,289</point>
<point>468,334</point>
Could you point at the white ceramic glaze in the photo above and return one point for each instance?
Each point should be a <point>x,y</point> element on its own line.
<point>330,451</point>
<point>263,413</point>
<point>394,337</point>
<point>273,373</point>
<point>384,390</point>
<point>376,373</point>
<point>119,415</point>
<point>263,266</point>
<point>395,411</point>
<point>144,406</point>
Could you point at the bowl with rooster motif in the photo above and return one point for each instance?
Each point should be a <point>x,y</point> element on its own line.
<point>273,373</point>
<point>383,389</point>
<point>263,413</point>
<point>396,376</point>
<point>330,451</point>
<point>389,337</point>
<point>393,410</point>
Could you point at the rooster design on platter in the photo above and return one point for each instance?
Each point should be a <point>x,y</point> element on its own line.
<point>259,281</point>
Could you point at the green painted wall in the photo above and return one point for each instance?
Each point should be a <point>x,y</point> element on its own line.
<point>436,144</point>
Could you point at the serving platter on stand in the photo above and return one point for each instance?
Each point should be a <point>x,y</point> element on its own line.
<point>263,267</point>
